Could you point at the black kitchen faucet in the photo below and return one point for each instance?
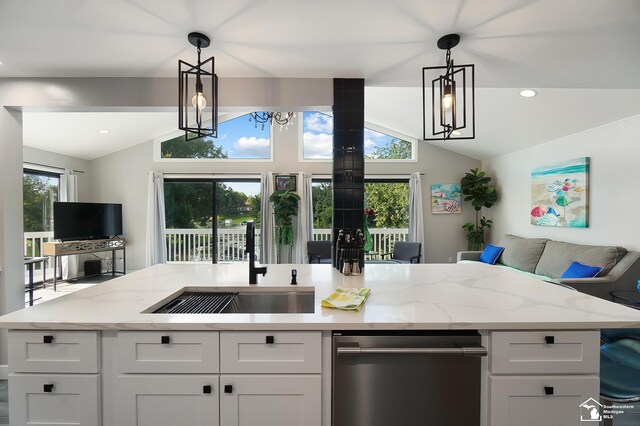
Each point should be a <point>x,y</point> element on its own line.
<point>250,249</point>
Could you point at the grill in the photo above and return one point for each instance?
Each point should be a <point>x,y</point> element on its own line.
<point>197,303</point>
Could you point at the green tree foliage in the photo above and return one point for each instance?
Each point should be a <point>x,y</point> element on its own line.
<point>322,205</point>
<point>390,201</point>
<point>39,193</point>
<point>398,149</point>
<point>203,147</point>
<point>256,207</point>
<point>229,201</point>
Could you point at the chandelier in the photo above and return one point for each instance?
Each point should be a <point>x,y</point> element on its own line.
<point>198,93</point>
<point>451,108</point>
<point>284,119</point>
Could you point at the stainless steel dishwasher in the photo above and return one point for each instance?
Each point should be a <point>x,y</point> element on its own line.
<point>406,378</point>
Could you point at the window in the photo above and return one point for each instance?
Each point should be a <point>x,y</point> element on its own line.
<point>389,200</point>
<point>317,141</point>
<point>192,235</point>
<point>40,190</point>
<point>238,138</point>
<point>322,196</point>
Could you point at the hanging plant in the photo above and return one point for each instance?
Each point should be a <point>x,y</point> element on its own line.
<point>285,206</point>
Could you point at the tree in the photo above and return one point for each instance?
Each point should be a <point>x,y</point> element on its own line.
<point>38,197</point>
<point>477,188</point>
<point>398,149</point>
<point>204,147</point>
<point>390,202</point>
<point>322,205</point>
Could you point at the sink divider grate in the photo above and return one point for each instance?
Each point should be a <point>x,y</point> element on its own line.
<point>197,303</point>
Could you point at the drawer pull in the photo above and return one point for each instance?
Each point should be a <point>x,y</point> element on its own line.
<point>228,389</point>
<point>165,340</point>
<point>206,389</point>
<point>548,390</point>
<point>47,339</point>
<point>549,340</point>
<point>270,340</point>
<point>48,388</point>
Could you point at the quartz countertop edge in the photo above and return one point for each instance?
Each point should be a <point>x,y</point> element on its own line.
<point>403,297</point>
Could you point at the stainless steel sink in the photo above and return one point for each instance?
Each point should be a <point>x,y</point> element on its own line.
<point>271,303</point>
<point>250,302</point>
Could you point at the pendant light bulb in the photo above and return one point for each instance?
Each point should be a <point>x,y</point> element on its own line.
<point>199,101</point>
<point>447,99</point>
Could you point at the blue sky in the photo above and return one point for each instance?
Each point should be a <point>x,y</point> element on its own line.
<point>317,131</point>
<point>241,139</point>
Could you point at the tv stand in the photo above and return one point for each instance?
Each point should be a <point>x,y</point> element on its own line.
<point>67,248</point>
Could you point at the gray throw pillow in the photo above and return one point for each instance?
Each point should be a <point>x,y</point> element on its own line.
<point>521,253</point>
<point>558,256</point>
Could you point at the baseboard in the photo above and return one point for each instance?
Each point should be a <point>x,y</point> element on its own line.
<point>4,372</point>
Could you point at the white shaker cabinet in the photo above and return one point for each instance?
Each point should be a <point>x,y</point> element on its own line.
<point>270,400</point>
<point>541,377</point>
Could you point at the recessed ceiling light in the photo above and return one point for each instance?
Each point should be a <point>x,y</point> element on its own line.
<point>528,93</point>
<point>456,133</point>
<point>104,131</point>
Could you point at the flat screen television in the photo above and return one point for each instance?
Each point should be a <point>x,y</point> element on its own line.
<point>86,221</point>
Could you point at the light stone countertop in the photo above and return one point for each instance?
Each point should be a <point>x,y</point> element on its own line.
<point>426,296</point>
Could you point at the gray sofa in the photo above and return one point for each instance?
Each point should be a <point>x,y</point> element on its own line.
<point>548,259</point>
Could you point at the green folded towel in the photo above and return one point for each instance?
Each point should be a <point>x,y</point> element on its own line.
<point>347,299</point>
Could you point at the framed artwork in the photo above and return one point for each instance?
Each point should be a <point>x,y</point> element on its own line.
<point>286,182</point>
<point>446,198</point>
<point>560,194</point>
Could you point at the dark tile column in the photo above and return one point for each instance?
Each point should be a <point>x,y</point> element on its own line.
<point>348,155</point>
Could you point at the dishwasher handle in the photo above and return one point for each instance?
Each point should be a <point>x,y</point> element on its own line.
<point>462,350</point>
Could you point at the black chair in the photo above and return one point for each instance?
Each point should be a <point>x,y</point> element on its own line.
<point>319,251</point>
<point>405,252</point>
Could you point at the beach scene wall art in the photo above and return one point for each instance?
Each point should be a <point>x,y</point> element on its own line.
<point>446,198</point>
<point>560,194</point>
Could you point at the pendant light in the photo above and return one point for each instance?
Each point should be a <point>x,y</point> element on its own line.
<point>198,93</point>
<point>448,97</point>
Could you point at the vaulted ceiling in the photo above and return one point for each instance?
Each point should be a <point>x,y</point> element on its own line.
<point>573,52</point>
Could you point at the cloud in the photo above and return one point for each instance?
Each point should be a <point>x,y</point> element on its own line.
<point>318,145</point>
<point>318,122</point>
<point>372,134</point>
<point>252,147</point>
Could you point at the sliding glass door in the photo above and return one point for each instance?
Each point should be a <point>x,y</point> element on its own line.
<point>206,218</point>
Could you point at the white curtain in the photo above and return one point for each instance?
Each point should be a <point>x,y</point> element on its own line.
<point>304,222</point>
<point>69,193</point>
<point>416,219</point>
<point>267,224</point>
<point>156,245</point>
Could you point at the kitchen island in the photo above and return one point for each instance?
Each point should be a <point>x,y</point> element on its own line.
<point>113,362</point>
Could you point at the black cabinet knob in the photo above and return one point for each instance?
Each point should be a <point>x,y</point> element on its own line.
<point>548,390</point>
<point>549,340</point>
<point>48,387</point>
<point>165,340</point>
<point>47,339</point>
<point>206,389</point>
<point>270,340</point>
<point>228,389</point>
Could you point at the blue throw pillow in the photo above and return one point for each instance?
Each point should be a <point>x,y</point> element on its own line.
<point>491,254</point>
<point>578,270</point>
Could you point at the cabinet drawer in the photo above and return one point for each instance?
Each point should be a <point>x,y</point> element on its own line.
<point>524,401</point>
<point>54,351</point>
<point>545,352</point>
<point>270,352</point>
<point>55,399</point>
<point>168,352</point>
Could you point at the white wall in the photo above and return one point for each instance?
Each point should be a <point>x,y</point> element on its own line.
<point>52,159</point>
<point>614,203</point>
<point>122,177</point>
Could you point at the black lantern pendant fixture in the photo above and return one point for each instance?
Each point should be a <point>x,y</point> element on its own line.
<point>448,98</point>
<point>284,119</point>
<point>198,93</point>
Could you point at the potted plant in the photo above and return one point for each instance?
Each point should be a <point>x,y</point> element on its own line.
<point>477,188</point>
<point>285,206</point>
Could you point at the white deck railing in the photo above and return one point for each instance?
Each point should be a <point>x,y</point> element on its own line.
<point>195,245</point>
